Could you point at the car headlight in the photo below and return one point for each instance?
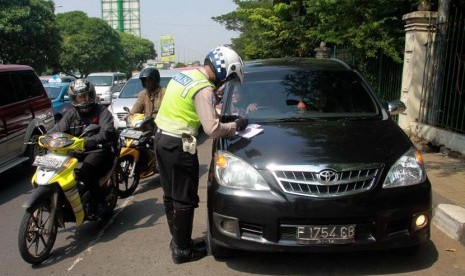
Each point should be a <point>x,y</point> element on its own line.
<point>408,170</point>
<point>233,172</point>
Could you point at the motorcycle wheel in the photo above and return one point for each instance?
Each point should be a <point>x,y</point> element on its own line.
<point>126,185</point>
<point>35,241</point>
<point>114,192</point>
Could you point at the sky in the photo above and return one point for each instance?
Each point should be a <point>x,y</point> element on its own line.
<point>189,21</point>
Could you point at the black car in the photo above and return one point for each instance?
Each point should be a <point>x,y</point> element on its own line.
<point>324,167</point>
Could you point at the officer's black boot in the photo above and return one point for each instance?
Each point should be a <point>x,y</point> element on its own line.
<point>183,249</point>
<point>169,217</point>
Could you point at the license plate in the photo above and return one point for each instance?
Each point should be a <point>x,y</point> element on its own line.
<point>47,161</point>
<point>131,133</point>
<point>326,234</point>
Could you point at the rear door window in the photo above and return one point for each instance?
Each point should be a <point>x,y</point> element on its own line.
<point>6,88</point>
<point>26,85</point>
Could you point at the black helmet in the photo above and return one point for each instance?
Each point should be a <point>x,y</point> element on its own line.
<point>82,88</point>
<point>151,74</point>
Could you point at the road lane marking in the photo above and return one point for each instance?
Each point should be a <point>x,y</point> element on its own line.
<point>88,251</point>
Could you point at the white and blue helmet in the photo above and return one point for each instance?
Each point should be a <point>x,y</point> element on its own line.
<point>225,63</point>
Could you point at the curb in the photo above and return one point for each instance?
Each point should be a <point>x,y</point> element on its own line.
<point>451,220</point>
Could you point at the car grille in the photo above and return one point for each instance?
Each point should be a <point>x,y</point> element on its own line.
<point>121,115</point>
<point>314,181</point>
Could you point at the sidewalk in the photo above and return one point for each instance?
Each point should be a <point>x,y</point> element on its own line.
<point>447,176</point>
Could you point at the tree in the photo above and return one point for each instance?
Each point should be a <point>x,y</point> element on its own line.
<point>89,44</point>
<point>295,27</point>
<point>136,51</point>
<point>28,33</point>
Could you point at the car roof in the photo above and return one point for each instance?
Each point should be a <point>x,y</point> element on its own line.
<point>14,67</point>
<point>106,73</point>
<point>314,64</point>
<point>163,73</point>
<point>56,84</point>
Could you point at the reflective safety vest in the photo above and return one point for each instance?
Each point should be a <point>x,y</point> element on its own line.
<point>177,111</point>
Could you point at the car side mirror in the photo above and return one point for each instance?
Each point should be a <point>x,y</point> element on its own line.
<point>396,107</point>
<point>66,98</point>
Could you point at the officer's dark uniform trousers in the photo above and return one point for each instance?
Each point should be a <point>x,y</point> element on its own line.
<point>179,177</point>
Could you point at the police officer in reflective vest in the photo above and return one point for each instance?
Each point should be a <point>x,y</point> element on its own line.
<point>188,103</point>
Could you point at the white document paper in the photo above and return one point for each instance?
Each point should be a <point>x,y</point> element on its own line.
<point>250,131</point>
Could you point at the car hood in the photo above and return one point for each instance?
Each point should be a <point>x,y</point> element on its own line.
<point>328,142</point>
<point>119,103</point>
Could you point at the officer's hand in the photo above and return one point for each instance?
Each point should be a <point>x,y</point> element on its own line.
<point>241,124</point>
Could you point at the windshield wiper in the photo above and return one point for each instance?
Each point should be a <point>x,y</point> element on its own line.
<point>358,118</point>
<point>297,119</point>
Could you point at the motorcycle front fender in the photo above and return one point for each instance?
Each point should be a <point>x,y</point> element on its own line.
<point>41,192</point>
<point>130,151</point>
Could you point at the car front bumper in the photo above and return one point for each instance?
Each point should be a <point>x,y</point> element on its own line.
<point>269,220</point>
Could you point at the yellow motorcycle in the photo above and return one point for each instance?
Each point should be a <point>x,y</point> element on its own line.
<point>58,195</point>
<point>137,157</point>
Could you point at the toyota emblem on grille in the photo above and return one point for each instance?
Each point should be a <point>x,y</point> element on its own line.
<point>328,176</point>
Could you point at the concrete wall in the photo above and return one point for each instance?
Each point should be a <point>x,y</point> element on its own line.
<point>417,30</point>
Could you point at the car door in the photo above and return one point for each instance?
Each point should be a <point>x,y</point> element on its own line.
<point>16,113</point>
<point>20,113</point>
<point>6,100</point>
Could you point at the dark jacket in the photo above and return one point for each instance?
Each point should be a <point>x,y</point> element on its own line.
<point>74,123</point>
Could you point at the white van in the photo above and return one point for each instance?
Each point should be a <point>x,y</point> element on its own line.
<point>106,83</point>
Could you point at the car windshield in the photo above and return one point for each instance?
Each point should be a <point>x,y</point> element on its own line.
<point>100,80</point>
<point>52,91</point>
<point>134,86</point>
<point>299,95</point>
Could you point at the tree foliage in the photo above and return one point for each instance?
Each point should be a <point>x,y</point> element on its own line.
<point>296,27</point>
<point>28,33</point>
<point>89,44</point>
<point>136,51</point>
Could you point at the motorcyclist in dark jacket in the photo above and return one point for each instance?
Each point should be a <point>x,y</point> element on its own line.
<point>87,111</point>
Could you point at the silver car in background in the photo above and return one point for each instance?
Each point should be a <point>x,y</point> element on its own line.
<point>129,93</point>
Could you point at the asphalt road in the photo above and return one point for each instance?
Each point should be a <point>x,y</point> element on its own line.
<point>135,242</point>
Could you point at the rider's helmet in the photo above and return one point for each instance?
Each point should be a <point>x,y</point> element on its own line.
<point>85,91</point>
<point>151,74</point>
<point>225,63</point>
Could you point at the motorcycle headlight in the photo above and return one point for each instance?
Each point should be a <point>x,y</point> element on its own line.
<point>408,170</point>
<point>233,172</point>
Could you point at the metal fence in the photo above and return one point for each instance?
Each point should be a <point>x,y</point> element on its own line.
<point>384,74</point>
<point>443,95</point>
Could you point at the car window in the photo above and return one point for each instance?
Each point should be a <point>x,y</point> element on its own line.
<point>164,81</point>
<point>290,94</point>
<point>26,85</point>
<point>101,80</point>
<point>131,89</point>
<point>52,91</point>
<point>8,94</point>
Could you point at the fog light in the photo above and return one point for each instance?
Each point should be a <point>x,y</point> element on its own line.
<point>421,221</point>
<point>229,226</point>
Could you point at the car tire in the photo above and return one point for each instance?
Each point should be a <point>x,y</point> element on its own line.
<point>33,148</point>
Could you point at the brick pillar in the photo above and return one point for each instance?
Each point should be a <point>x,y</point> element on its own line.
<point>417,26</point>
